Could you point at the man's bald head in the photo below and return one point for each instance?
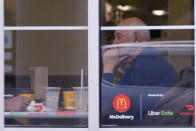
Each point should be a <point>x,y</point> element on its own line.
<point>134,21</point>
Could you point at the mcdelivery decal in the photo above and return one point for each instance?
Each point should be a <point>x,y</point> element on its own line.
<point>121,103</point>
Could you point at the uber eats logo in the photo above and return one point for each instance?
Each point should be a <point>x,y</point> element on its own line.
<point>162,113</point>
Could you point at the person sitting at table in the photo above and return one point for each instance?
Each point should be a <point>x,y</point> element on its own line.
<point>142,65</point>
<point>133,66</point>
<point>17,104</point>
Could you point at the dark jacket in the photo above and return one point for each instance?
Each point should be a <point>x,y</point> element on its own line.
<point>149,72</point>
<point>175,100</point>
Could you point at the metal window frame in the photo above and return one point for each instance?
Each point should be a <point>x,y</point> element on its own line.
<point>1,64</point>
<point>169,27</point>
<point>93,64</point>
<point>46,28</point>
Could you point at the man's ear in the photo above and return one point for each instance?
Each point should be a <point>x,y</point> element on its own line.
<point>137,36</point>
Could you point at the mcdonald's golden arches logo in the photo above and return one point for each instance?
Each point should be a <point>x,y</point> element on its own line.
<point>121,103</point>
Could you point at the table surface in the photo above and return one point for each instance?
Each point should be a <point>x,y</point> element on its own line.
<point>58,114</point>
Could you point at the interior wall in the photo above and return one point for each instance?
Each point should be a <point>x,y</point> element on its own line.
<point>66,60</point>
<point>64,52</point>
<point>52,12</point>
<point>180,13</point>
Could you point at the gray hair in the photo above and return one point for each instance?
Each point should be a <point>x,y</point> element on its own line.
<point>145,34</point>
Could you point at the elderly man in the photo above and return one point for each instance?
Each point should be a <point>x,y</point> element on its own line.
<point>144,66</point>
<point>142,71</point>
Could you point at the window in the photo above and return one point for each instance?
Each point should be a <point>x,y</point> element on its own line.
<point>46,63</point>
<point>137,76</point>
<point>144,59</point>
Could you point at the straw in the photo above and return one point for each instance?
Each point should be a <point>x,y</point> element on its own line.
<point>82,79</point>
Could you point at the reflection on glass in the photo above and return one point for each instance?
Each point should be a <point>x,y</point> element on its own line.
<point>46,13</point>
<point>48,85</point>
<point>145,89</point>
<point>153,12</point>
<point>142,80</point>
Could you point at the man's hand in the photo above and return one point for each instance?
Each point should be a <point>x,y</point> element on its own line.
<point>110,60</point>
<point>18,103</point>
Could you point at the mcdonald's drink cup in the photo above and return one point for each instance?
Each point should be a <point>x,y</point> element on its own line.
<point>81,99</point>
<point>27,93</point>
<point>69,100</point>
<point>52,97</point>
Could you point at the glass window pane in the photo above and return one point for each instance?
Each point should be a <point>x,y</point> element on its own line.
<point>153,12</point>
<point>46,13</point>
<point>43,79</point>
<point>147,80</point>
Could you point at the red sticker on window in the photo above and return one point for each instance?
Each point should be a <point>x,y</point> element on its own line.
<point>190,107</point>
<point>121,103</point>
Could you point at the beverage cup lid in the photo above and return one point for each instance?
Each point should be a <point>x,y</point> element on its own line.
<point>78,88</point>
<point>52,88</point>
<point>26,91</point>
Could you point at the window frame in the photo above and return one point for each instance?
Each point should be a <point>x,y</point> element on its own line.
<point>161,27</point>
<point>94,29</point>
<point>1,64</point>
